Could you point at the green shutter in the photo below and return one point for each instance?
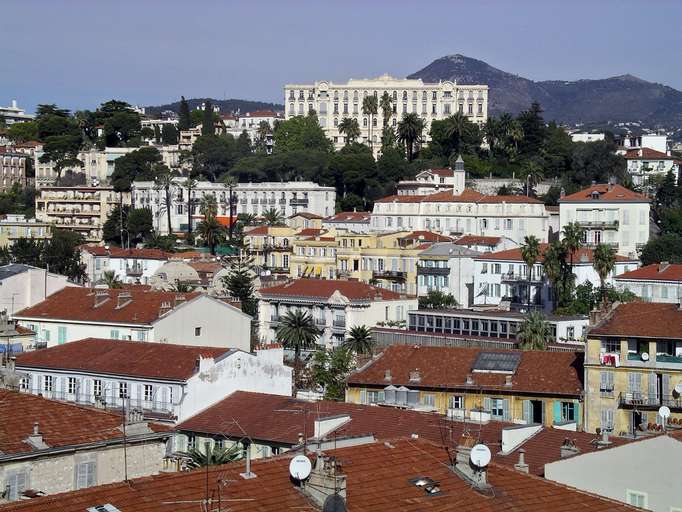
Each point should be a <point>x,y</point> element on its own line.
<point>557,411</point>
<point>61,334</point>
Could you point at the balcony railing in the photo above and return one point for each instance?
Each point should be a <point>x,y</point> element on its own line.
<point>599,224</point>
<point>298,202</point>
<point>111,402</point>
<point>135,270</point>
<point>320,322</point>
<point>645,400</point>
<point>592,244</point>
<point>510,277</point>
<point>432,271</point>
<point>339,324</point>
<point>389,274</point>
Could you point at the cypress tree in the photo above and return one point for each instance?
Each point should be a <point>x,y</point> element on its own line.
<point>207,127</point>
<point>185,121</point>
<point>169,135</point>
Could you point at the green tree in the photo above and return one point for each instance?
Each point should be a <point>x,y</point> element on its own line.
<point>604,259</point>
<point>139,224</point>
<point>530,252</point>
<point>533,126</point>
<point>141,164</point>
<point>27,251</point>
<point>533,175</point>
<point>169,135</point>
<point>23,132</point>
<point>535,332</point>
<point>359,340</point>
<point>185,122</point>
<point>122,125</point>
<point>330,370</point>
<point>410,130</point>
<point>437,300</point>
<point>301,133</point>
<point>211,231</point>
<point>207,122</point>
<point>110,280</point>
<point>350,128</point>
<point>115,225</point>
<point>553,262</point>
<point>386,108</point>
<point>216,456</point>
<point>573,235</point>
<point>163,180</point>
<point>63,256</point>
<point>664,248</point>
<point>297,332</point>
<point>190,184</point>
<point>230,183</point>
<point>239,282</point>
<point>214,155</point>
<point>370,108</point>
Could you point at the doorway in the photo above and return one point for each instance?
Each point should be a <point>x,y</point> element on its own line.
<point>537,411</point>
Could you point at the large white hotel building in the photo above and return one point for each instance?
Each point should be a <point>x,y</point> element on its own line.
<point>432,101</point>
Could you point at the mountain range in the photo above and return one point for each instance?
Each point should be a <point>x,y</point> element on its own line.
<point>619,99</point>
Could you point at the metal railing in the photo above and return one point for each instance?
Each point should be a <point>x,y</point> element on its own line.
<point>511,277</point>
<point>433,271</point>
<point>110,402</point>
<point>637,399</point>
<point>389,274</point>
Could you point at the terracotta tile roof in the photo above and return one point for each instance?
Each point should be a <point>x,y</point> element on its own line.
<point>306,215</point>
<point>61,424</point>
<point>325,288</point>
<point>144,309</point>
<point>119,357</point>
<point>607,194</point>
<point>442,172</point>
<point>117,252</point>
<point>642,319</point>
<point>186,255</point>
<point>310,232</point>
<point>426,236</point>
<point>397,198</point>
<point>206,266</point>
<point>583,255</point>
<point>378,480</point>
<point>478,240</point>
<point>509,199</point>
<point>655,272</point>
<point>553,373</point>
<point>279,419</point>
<point>257,231</point>
<point>446,196</point>
<point>262,113</point>
<point>467,196</point>
<point>350,217</point>
<point>647,154</point>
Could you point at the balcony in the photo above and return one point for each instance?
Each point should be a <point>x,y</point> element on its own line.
<point>432,271</point>
<point>321,322</point>
<point>647,401</point>
<point>112,402</point>
<point>275,319</point>
<point>339,325</point>
<point>594,244</point>
<point>134,271</point>
<point>298,202</point>
<point>598,224</point>
<point>389,274</point>
<point>510,277</point>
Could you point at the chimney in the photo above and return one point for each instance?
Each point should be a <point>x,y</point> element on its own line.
<point>247,474</point>
<point>124,298</point>
<point>508,381</point>
<point>387,375</point>
<point>101,296</point>
<point>36,438</point>
<point>415,376</point>
<point>477,477</point>
<point>325,481</point>
<point>165,308</point>
<point>663,265</point>
<point>604,441</point>
<point>521,464</point>
<point>470,379</point>
<point>569,448</point>
<point>14,104</point>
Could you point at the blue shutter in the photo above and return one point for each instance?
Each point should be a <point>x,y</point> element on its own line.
<point>487,404</point>
<point>61,334</point>
<point>557,411</point>
<point>527,416</point>
<point>505,409</point>
<point>578,414</point>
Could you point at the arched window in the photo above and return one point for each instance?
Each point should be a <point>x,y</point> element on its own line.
<point>364,122</point>
<point>336,95</point>
<point>404,95</point>
<point>374,122</point>
<point>395,95</point>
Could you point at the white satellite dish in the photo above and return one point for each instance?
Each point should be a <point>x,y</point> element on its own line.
<point>678,389</point>
<point>645,356</point>
<point>300,467</point>
<point>664,412</point>
<point>480,455</point>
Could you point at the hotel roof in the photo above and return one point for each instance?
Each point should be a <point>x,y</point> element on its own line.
<point>605,193</point>
<point>325,288</point>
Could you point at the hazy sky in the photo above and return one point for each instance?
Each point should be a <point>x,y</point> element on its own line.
<point>78,53</point>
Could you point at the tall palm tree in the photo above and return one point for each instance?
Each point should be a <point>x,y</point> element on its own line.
<point>247,219</point>
<point>410,131</point>
<point>273,217</point>
<point>109,278</point>
<point>385,104</point>
<point>534,332</point>
<point>455,128</point>
<point>163,180</point>
<point>534,175</point>
<point>359,340</point>
<point>190,184</point>
<point>208,206</point>
<point>350,128</point>
<point>552,261</point>
<point>530,252</point>
<point>297,332</point>
<point>491,131</point>
<point>230,182</point>
<point>198,458</point>
<point>572,240</point>
<point>370,107</point>
<point>211,231</point>
<point>603,261</point>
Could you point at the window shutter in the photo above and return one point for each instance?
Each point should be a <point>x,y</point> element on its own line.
<point>609,380</point>
<point>505,409</point>
<point>62,386</point>
<point>363,396</point>
<point>140,393</point>
<point>390,395</point>
<point>557,411</point>
<point>653,386</point>
<point>666,387</point>
<point>527,411</point>
<point>578,414</point>
<point>487,404</point>
<point>413,397</point>
<point>164,397</point>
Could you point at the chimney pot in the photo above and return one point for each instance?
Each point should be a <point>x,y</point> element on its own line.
<point>470,379</point>
<point>521,464</point>
<point>508,380</point>
<point>36,429</point>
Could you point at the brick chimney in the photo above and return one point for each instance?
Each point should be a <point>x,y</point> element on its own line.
<point>325,481</point>
<point>569,448</point>
<point>101,296</point>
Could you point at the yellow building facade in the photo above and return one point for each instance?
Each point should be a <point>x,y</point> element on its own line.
<point>314,254</point>
<point>271,247</point>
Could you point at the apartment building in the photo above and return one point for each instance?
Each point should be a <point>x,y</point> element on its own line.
<point>131,266</point>
<point>314,254</point>
<point>23,286</point>
<point>633,367</point>
<point>336,306</point>
<point>465,213</point>
<point>431,181</point>
<point>80,209</point>
<point>51,447</point>
<point>252,198</point>
<point>15,226</point>
<point>355,222</point>
<point>333,102</point>
<point>14,114</point>
<point>658,282</point>
<point>303,220</point>
<point>112,374</point>
<point>477,384</point>
<point>12,169</point>
<point>137,314</point>
<point>271,247</point>
<point>503,276</point>
<point>610,214</point>
<point>646,165</point>
<point>447,267</point>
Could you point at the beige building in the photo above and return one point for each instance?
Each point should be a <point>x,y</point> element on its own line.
<point>15,226</point>
<point>431,101</point>
<point>80,209</point>
<point>12,169</point>
<point>271,247</point>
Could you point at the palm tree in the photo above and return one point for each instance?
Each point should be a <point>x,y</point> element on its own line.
<point>534,332</point>
<point>604,259</point>
<point>359,340</point>
<point>164,181</point>
<point>534,175</point>
<point>109,278</point>
<point>230,182</point>
<point>297,332</point>
<point>572,240</point>
<point>190,184</point>
<point>211,231</point>
<point>530,252</point>
<point>370,107</point>
<point>208,206</point>
<point>410,132</point>
<point>455,128</point>
<point>215,456</point>
<point>350,128</point>
<point>386,107</point>
<point>491,131</point>
<point>273,217</point>
<point>247,219</point>
<point>552,261</point>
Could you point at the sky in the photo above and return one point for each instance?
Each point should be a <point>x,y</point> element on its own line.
<point>79,53</point>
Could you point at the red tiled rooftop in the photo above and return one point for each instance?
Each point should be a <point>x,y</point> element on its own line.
<point>117,252</point>
<point>310,232</point>
<point>61,424</point>
<point>553,373</point>
<point>262,113</point>
<point>583,255</point>
<point>306,215</point>
<point>426,236</point>
<point>478,240</point>
<point>143,309</point>
<point>607,193</point>
<point>642,319</point>
<point>325,288</point>
<point>350,217</point>
<point>119,357</point>
<point>467,196</point>
<point>257,231</point>
<point>655,272</point>
<point>647,154</point>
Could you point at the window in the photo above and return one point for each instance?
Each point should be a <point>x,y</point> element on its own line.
<point>72,386</point>
<point>97,387</point>
<point>570,332</point>
<point>85,474</point>
<point>123,390</point>
<point>197,331</point>
<point>148,392</point>
<point>375,397</point>
<point>61,334</point>
<point>610,346</point>
<point>429,400</point>
<point>191,442</point>
<point>456,402</point>
<point>497,407</point>
<point>48,383</point>
<point>606,383</point>
<point>113,334</point>
<point>141,336</point>
<point>568,411</point>
<point>636,498</point>
<point>16,482</point>
<point>24,383</point>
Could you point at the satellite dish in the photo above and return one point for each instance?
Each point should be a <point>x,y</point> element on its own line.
<point>644,356</point>
<point>334,503</point>
<point>480,455</point>
<point>664,412</point>
<point>678,389</point>
<point>300,467</point>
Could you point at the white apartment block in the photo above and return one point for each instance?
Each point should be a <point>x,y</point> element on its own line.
<point>465,213</point>
<point>131,266</point>
<point>587,137</point>
<point>610,214</point>
<point>23,286</point>
<point>12,169</point>
<point>13,114</point>
<point>645,165</point>
<point>430,181</point>
<point>432,101</point>
<point>659,282</point>
<point>255,198</point>
<point>80,209</point>
<point>447,268</point>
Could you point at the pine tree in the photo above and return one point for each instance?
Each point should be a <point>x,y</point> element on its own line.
<point>185,122</point>
<point>207,127</point>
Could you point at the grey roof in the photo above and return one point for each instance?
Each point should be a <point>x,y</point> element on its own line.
<point>449,249</point>
<point>12,270</point>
